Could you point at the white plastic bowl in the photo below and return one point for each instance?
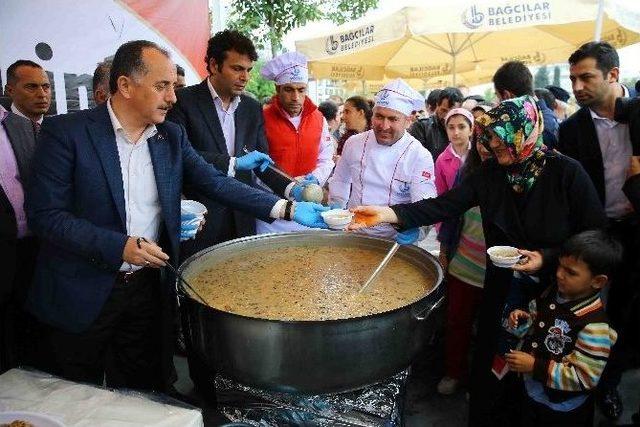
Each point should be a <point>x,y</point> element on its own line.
<point>193,207</point>
<point>504,261</point>
<point>337,219</point>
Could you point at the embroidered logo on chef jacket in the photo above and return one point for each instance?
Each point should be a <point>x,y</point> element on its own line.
<point>557,338</point>
<point>403,187</point>
<point>426,174</point>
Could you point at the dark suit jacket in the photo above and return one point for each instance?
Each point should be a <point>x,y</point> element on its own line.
<point>578,139</point>
<point>75,203</point>
<point>22,139</point>
<point>196,111</point>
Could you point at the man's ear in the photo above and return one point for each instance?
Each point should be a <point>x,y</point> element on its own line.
<point>599,281</point>
<point>614,75</point>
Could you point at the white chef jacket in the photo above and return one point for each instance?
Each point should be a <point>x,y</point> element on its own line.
<point>321,172</point>
<point>369,173</point>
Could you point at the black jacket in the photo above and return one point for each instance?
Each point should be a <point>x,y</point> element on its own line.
<point>431,134</point>
<point>196,111</point>
<point>578,139</point>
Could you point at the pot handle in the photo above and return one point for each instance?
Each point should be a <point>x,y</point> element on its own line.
<point>426,312</point>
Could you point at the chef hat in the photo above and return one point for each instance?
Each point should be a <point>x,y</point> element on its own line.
<point>399,96</point>
<point>290,67</point>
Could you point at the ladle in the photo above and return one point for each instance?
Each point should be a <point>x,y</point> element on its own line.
<point>380,267</point>
<point>179,276</point>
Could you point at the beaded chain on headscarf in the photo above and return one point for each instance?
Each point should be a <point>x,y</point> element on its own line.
<point>518,123</point>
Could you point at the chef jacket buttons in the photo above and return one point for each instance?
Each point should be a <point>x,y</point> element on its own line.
<point>534,345</point>
<point>552,306</point>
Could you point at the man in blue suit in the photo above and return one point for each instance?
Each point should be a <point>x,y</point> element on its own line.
<point>105,200</point>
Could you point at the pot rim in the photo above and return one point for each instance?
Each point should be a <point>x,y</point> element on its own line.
<point>182,293</point>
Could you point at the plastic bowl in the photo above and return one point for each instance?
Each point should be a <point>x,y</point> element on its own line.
<point>503,256</point>
<point>193,207</point>
<point>337,219</point>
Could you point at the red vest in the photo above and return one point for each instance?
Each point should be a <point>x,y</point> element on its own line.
<point>295,152</point>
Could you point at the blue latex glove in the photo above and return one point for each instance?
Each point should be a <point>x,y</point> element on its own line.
<point>296,192</point>
<point>408,237</point>
<point>308,213</point>
<point>253,160</point>
<point>309,179</point>
<point>189,224</point>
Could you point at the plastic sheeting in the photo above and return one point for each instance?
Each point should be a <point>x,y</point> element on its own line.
<point>373,406</point>
<point>86,405</point>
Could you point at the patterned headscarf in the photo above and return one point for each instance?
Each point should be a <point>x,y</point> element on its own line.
<point>518,123</point>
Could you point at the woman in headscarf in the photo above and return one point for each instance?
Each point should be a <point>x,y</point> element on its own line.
<point>531,198</point>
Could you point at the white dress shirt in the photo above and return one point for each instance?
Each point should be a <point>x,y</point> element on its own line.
<point>141,202</point>
<point>615,146</point>
<point>369,173</point>
<point>226,117</point>
<point>15,110</point>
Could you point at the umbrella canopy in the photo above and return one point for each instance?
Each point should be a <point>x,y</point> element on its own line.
<point>469,38</point>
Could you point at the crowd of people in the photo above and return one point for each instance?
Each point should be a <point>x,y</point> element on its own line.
<point>90,214</point>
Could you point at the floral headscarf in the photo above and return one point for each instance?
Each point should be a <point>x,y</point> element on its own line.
<point>518,123</point>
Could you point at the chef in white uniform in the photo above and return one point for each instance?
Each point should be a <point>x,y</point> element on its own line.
<point>385,165</point>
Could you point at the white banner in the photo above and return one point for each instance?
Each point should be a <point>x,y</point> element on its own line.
<point>69,38</point>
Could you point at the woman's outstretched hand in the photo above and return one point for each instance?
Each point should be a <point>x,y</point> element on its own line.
<point>369,216</point>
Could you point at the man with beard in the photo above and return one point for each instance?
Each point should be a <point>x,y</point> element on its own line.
<point>603,147</point>
<point>297,133</point>
<point>432,132</point>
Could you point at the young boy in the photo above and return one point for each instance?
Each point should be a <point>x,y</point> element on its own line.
<point>566,335</point>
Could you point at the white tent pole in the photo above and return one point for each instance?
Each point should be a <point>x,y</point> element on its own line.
<point>599,21</point>
<point>453,69</point>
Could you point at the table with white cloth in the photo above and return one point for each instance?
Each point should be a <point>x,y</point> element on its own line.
<point>77,405</point>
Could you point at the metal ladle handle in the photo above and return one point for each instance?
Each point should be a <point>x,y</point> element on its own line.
<point>179,276</point>
<point>382,265</point>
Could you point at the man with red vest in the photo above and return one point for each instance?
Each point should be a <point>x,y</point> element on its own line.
<point>297,133</point>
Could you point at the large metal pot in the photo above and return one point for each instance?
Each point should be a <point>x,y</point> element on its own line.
<point>307,356</point>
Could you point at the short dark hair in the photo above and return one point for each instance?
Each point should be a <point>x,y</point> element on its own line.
<point>432,98</point>
<point>179,70</point>
<point>599,250</point>
<point>547,96</point>
<point>224,41</point>
<point>12,77</point>
<point>515,77</point>
<point>452,94</point>
<point>329,110</point>
<point>128,61</point>
<point>101,74</point>
<point>605,55</point>
<point>362,104</point>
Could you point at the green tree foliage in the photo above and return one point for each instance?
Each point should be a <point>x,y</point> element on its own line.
<point>269,20</point>
<point>556,75</point>
<point>541,78</point>
<point>258,85</point>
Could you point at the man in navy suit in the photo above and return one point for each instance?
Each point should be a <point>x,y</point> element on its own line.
<point>105,200</point>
